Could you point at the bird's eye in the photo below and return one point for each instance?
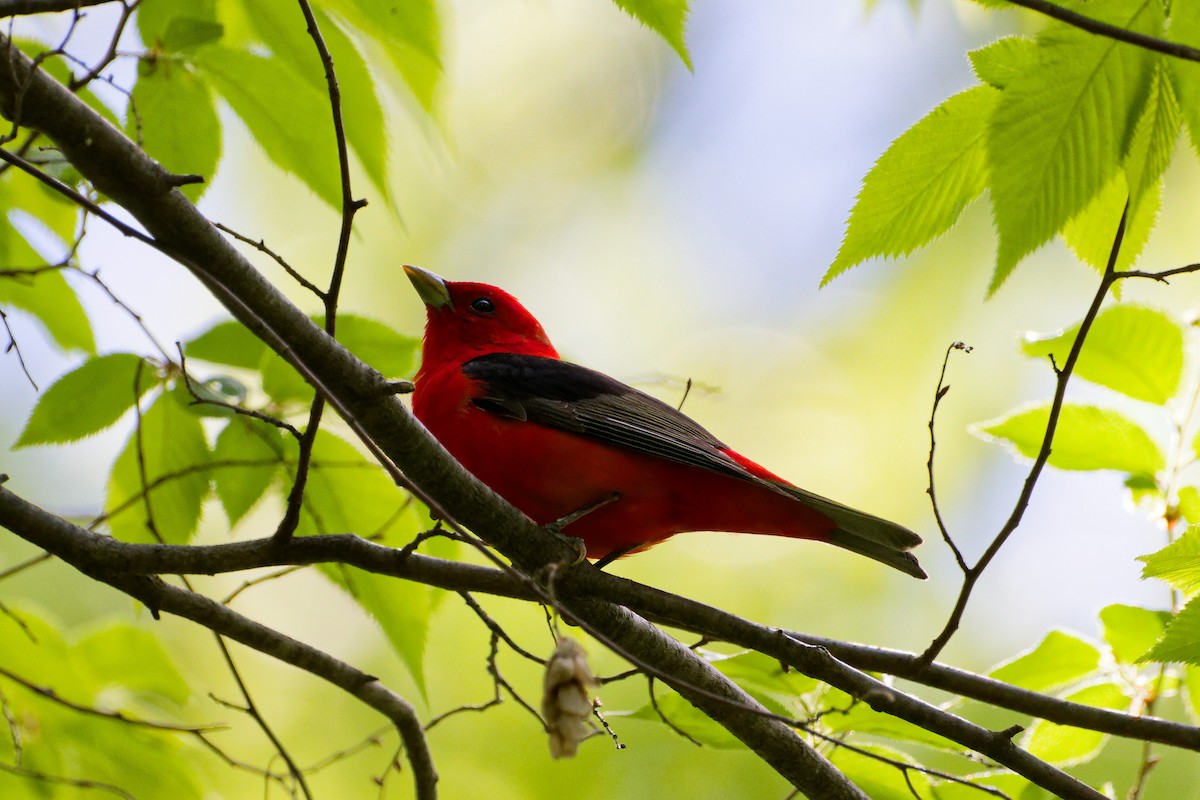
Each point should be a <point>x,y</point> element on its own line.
<point>483,306</point>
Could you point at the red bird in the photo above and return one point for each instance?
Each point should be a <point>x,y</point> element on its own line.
<point>554,438</point>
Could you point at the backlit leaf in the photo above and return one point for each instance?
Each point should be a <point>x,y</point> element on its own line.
<point>1059,660</point>
<point>1061,127</point>
<point>228,343</point>
<point>172,113</point>
<point>1181,641</point>
<point>1087,438</point>
<point>667,18</point>
<point>1135,350</point>
<point>1131,631</point>
<point>922,183</point>
<point>169,458</point>
<point>284,112</point>
<point>88,399</point>
<point>1178,563</point>
<point>246,458</point>
<point>1064,745</point>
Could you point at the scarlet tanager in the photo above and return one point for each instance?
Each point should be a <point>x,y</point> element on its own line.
<point>554,438</point>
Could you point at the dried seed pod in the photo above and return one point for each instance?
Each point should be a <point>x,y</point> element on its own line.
<point>566,706</point>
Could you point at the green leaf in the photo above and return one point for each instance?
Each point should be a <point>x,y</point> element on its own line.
<point>285,114</point>
<point>1185,27</point>
<point>1181,640</point>
<point>260,449</point>
<point>1087,438</point>
<point>388,351</point>
<point>1003,60</point>
<point>347,494</point>
<point>1189,503</point>
<point>1090,234</point>
<point>880,780</point>
<point>171,114</point>
<point>754,671</point>
<point>174,453</point>
<point>1131,631</point>
<point>88,399</point>
<point>1134,350</point>
<point>667,18</point>
<point>279,24</point>
<point>921,184</point>
<point>861,718</point>
<point>687,718</point>
<point>1059,660</point>
<point>1062,126</point>
<point>282,383</point>
<point>1191,689</point>
<point>175,25</point>
<point>408,32</point>
<point>133,660</point>
<point>1064,745</point>
<point>1178,563</point>
<point>228,343</point>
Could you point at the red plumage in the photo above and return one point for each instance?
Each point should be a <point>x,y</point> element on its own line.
<point>553,438</point>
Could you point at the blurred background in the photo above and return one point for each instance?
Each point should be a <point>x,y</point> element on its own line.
<point>664,225</point>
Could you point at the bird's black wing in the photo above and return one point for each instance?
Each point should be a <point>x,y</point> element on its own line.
<point>566,396</point>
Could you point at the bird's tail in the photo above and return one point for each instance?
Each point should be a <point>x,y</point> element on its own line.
<point>864,533</point>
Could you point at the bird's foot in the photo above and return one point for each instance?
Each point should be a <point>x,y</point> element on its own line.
<point>556,527</point>
<point>562,522</point>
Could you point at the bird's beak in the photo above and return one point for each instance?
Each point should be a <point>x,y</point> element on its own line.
<point>432,288</point>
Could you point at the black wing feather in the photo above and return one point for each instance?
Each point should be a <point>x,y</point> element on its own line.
<point>566,396</point>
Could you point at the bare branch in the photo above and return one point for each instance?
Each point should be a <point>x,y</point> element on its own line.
<point>17,8</point>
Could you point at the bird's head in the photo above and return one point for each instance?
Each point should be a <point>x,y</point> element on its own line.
<point>465,320</point>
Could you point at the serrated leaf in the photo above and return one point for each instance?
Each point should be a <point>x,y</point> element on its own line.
<point>1181,641</point>
<point>1178,563</point>
<point>921,184</point>
<point>347,494</point>
<point>1185,27</point>
<point>53,303</point>
<point>408,32</point>
<point>1062,126</point>
<point>171,113</point>
<point>1086,438</point>
<point>1059,660</point>
<point>1004,59</point>
<point>172,448</point>
<point>88,399</point>
<point>1134,350</point>
<point>283,111</point>
<point>277,22</point>
<point>1090,234</point>
<point>260,449</point>
<point>1064,745</point>
<point>1131,631</point>
<point>667,18</point>
<point>228,343</point>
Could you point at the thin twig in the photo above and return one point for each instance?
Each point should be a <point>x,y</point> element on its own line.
<point>1063,377</point>
<point>13,347</point>
<point>261,246</point>
<point>939,393</point>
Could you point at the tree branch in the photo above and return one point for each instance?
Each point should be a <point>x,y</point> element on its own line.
<point>17,8</point>
<point>1106,30</point>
